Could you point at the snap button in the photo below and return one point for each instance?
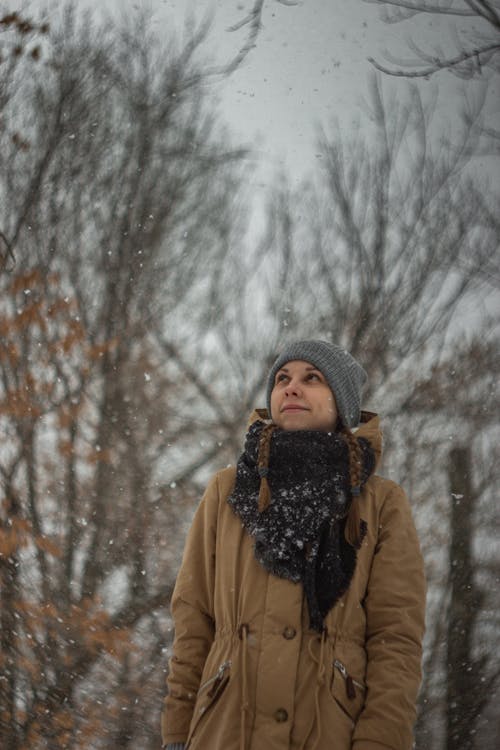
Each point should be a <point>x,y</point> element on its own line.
<point>281,715</point>
<point>289,633</point>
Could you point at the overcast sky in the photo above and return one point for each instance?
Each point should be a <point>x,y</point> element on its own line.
<point>310,64</point>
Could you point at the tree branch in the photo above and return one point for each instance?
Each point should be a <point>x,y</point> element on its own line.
<point>448,63</point>
<point>4,257</point>
<point>422,7</point>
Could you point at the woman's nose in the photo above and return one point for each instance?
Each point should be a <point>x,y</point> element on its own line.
<point>293,388</point>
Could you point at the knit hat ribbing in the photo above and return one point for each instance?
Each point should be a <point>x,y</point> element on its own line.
<point>343,373</point>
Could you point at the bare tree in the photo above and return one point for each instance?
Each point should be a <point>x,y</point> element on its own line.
<point>115,210</point>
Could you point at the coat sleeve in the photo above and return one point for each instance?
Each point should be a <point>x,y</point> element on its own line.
<point>193,614</point>
<point>395,617</point>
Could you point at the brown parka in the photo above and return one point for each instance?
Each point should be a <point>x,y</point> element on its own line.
<point>247,673</point>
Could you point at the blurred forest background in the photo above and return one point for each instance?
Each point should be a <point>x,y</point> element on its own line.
<point>139,315</point>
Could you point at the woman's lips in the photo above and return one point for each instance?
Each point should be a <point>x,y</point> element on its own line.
<point>293,407</point>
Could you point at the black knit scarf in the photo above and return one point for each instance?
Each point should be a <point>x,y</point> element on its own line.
<point>300,535</point>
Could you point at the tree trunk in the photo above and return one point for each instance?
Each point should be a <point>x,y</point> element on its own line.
<point>463,682</point>
<point>8,649</point>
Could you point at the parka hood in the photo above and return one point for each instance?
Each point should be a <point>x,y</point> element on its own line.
<point>368,428</point>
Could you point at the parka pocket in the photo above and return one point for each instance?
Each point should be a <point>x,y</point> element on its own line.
<point>347,692</point>
<point>208,694</point>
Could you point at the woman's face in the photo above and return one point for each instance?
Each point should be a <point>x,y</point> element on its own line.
<point>301,399</point>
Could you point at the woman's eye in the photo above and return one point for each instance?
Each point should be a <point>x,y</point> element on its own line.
<point>313,376</point>
<point>281,377</point>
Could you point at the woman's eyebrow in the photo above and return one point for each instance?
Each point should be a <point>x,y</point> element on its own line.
<point>309,368</point>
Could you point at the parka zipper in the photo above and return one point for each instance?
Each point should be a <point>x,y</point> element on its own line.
<point>350,683</point>
<point>216,679</point>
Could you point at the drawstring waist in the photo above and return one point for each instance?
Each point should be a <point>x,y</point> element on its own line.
<point>321,661</point>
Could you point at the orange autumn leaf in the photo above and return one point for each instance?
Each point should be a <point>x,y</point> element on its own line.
<point>60,305</point>
<point>45,544</point>
<point>26,281</point>
<point>97,350</point>
<point>94,457</point>
<point>64,720</point>
<point>68,413</point>
<point>66,448</point>
<point>10,353</point>
<point>18,405</point>
<point>14,537</point>
<point>30,315</point>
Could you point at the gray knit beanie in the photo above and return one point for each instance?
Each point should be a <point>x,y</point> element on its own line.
<point>343,373</point>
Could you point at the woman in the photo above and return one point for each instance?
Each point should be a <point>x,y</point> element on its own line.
<point>299,606</point>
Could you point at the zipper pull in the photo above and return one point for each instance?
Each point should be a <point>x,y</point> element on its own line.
<point>218,678</point>
<point>349,682</point>
<point>349,687</point>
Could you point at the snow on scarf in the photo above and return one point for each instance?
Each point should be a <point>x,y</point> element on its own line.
<point>300,535</point>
